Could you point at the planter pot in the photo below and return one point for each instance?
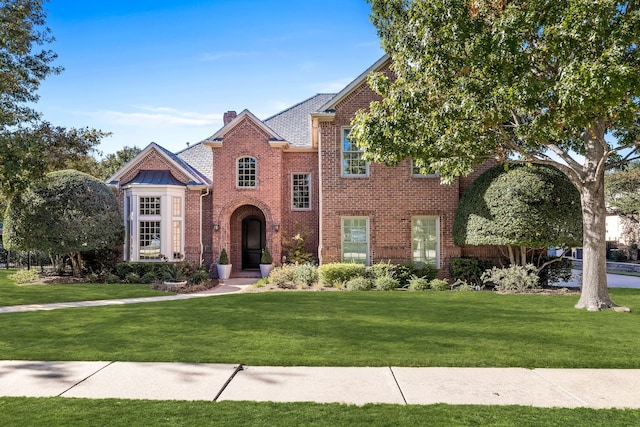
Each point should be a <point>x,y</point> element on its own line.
<point>224,271</point>
<point>265,269</point>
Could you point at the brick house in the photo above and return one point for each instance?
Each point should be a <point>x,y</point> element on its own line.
<point>257,183</point>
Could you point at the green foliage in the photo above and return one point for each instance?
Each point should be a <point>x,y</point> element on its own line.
<point>516,278</point>
<point>224,258</point>
<point>199,276</point>
<point>402,272</point>
<point>622,191</point>
<point>132,278</point>
<point>560,270</point>
<point>297,248</point>
<point>438,285</point>
<point>386,283</point>
<point>335,274</point>
<point>358,284</point>
<point>265,258</point>
<point>468,269</point>
<point>292,276</point>
<point>418,284</point>
<point>140,269</point>
<point>534,206</point>
<point>70,213</point>
<point>24,276</point>
<point>617,255</point>
<point>462,286</point>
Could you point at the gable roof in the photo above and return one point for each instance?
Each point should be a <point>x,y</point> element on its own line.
<point>200,157</point>
<point>330,105</point>
<point>294,123</point>
<point>219,135</point>
<point>196,178</point>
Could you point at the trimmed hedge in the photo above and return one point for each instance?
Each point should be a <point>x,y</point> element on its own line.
<point>336,274</point>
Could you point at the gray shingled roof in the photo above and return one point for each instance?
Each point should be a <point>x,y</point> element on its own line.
<point>199,157</point>
<point>294,123</point>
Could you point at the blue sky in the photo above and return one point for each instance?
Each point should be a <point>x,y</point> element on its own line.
<point>166,71</point>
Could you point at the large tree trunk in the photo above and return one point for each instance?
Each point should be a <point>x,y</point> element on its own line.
<point>595,293</point>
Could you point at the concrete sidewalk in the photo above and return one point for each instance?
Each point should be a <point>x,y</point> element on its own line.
<point>229,287</point>
<point>569,388</point>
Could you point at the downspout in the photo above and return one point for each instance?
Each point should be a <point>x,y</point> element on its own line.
<point>201,242</point>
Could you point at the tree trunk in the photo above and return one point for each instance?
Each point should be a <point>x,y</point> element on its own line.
<point>595,292</point>
<point>76,264</point>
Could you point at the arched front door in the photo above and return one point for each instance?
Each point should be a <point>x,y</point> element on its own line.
<point>253,237</point>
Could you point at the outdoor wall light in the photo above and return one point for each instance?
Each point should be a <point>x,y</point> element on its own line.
<point>216,226</point>
<point>276,227</point>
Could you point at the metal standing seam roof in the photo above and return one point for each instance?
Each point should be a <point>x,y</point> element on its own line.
<point>155,177</point>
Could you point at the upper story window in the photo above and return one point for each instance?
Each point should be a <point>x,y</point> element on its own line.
<point>247,176</point>
<point>301,191</point>
<point>353,163</point>
<point>417,173</point>
<point>149,205</point>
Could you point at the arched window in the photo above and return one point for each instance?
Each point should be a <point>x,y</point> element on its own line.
<point>247,176</point>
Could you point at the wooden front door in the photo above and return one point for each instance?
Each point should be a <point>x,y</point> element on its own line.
<point>253,237</point>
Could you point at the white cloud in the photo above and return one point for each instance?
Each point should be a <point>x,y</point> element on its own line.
<point>148,116</point>
<point>333,86</point>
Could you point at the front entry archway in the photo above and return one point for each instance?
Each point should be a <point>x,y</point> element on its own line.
<point>253,241</point>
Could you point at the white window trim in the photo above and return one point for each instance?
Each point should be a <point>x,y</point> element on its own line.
<point>166,194</point>
<point>438,237</point>
<point>368,236</point>
<point>292,192</point>
<point>343,131</point>
<point>421,175</point>
<point>238,186</point>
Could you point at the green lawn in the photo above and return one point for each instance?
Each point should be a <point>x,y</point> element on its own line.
<point>12,294</point>
<point>112,412</point>
<point>337,329</point>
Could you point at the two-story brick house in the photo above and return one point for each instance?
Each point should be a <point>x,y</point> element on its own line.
<point>256,183</point>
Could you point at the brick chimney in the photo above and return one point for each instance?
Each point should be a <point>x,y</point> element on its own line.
<point>228,116</point>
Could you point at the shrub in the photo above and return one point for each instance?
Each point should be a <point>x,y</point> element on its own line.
<point>224,258</point>
<point>139,268</point>
<point>462,286</point>
<point>283,277</point>
<point>617,255</point>
<point>132,278</point>
<point>199,276</point>
<point>381,269</point>
<point>438,285</point>
<point>265,258</point>
<point>358,283</point>
<point>306,274</point>
<point>386,283</point>
<point>111,278</point>
<point>557,271</point>
<point>405,271</point>
<point>468,269</point>
<point>148,278</point>
<point>336,273</point>
<point>24,276</point>
<point>513,279</point>
<point>418,284</point>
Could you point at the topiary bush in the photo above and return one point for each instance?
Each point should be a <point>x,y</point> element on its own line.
<point>358,283</point>
<point>386,283</point>
<point>513,279</point>
<point>334,274</point>
<point>438,285</point>
<point>418,284</point>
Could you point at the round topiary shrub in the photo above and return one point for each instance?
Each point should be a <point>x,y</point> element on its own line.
<point>358,284</point>
<point>386,283</point>
<point>418,284</point>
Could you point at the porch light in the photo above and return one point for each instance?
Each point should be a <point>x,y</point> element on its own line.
<point>216,226</point>
<point>276,227</point>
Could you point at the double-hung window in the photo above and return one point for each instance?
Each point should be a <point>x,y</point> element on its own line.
<point>247,172</point>
<point>355,240</point>
<point>301,191</point>
<point>353,163</point>
<point>149,231</point>
<point>416,171</point>
<point>425,240</point>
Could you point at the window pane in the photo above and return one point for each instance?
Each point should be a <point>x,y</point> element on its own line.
<point>355,244</point>
<point>424,240</point>
<point>246,172</point>
<point>301,192</point>
<point>149,239</point>
<point>177,206</point>
<point>352,161</point>
<point>149,205</point>
<point>177,240</point>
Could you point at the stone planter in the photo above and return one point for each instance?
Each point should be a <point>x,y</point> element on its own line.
<point>173,284</point>
<point>224,271</point>
<point>265,269</point>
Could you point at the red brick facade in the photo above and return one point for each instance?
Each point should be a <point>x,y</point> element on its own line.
<point>389,197</point>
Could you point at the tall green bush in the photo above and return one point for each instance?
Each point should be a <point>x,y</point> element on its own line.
<point>335,274</point>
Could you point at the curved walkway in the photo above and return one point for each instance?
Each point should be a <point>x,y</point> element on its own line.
<point>228,287</point>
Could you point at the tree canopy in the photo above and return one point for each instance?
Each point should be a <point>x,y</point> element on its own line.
<point>30,146</point>
<point>552,82</point>
<point>68,213</point>
<point>623,192</point>
<point>520,206</point>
